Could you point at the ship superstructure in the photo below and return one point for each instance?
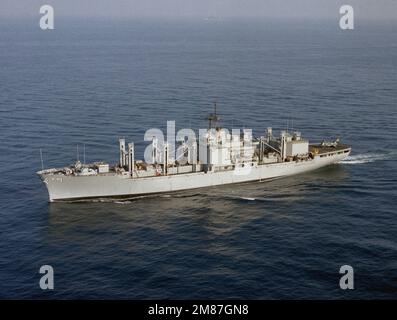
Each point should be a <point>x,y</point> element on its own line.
<point>216,158</point>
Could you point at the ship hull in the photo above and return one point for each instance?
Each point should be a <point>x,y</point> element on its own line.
<point>61,188</point>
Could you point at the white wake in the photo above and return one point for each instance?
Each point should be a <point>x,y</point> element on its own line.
<point>365,158</point>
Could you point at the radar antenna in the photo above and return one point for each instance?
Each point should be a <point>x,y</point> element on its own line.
<point>213,118</point>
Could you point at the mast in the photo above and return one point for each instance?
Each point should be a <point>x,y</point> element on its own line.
<point>165,158</point>
<point>41,158</point>
<point>122,152</point>
<point>131,158</point>
<point>213,118</point>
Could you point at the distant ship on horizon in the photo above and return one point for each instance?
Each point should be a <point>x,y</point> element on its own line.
<point>212,18</point>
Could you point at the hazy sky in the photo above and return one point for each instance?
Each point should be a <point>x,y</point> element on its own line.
<point>315,9</point>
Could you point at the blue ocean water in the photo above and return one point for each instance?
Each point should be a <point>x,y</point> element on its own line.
<point>92,81</point>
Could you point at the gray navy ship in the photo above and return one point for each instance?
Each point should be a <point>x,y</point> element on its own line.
<point>216,159</point>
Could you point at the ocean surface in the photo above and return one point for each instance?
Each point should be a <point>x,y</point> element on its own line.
<point>92,81</point>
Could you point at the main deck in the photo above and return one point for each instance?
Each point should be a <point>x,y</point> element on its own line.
<point>325,150</point>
